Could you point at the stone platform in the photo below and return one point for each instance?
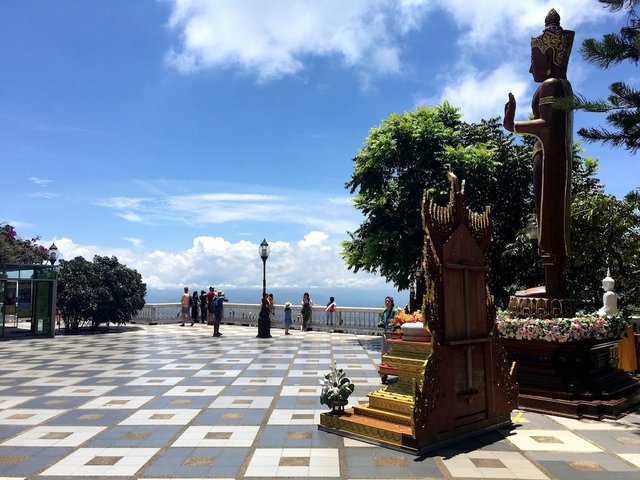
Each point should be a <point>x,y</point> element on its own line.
<point>170,403</point>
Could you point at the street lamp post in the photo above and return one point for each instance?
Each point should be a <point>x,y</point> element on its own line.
<point>53,253</point>
<point>264,322</point>
<point>264,254</point>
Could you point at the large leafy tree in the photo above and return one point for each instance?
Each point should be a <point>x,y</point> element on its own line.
<point>605,234</point>
<point>411,152</point>
<point>14,249</point>
<point>97,292</point>
<point>76,296</point>
<point>623,102</point>
<point>408,153</point>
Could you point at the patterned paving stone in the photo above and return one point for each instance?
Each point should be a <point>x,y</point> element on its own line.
<point>166,402</point>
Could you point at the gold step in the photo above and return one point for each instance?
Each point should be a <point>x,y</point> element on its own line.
<point>403,359</point>
<point>404,365</point>
<point>367,411</point>
<point>411,349</point>
<point>372,429</point>
<point>391,401</point>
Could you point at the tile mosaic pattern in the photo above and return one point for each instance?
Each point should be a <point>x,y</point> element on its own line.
<point>163,402</point>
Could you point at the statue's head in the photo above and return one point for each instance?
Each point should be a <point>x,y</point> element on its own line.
<point>550,51</point>
<point>608,283</point>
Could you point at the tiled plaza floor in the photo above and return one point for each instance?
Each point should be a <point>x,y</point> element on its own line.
<point>164,402</point>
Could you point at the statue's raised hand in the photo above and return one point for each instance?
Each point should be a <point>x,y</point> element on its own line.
<point>509,113</point>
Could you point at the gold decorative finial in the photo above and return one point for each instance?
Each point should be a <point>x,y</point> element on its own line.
<point>552,20</point>
<point>554,37</point>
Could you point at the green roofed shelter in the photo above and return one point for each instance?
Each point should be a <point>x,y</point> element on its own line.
<point>28,300</point>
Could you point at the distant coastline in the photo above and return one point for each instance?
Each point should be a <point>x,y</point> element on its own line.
<point>346,297</point>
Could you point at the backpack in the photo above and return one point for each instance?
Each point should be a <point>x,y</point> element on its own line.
<point>217,305</point>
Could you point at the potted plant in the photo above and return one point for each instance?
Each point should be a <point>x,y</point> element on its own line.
<point>336,388</point>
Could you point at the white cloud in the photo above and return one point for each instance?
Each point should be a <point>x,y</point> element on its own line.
<point>214,260</point>
<point>314,210</point>
<point>39,181</point>
<point>483,95</point>
<point>131,217</point>
<point>136,242</point>
<point>123,202</point>
<point>272,38</point>
<point>43,195</point>
<point>313,239</point>
<point>494,22</point>
<point>275,38</point>
<point>18,224</point>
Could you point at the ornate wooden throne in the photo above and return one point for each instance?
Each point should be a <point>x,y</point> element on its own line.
<point>466,386</point>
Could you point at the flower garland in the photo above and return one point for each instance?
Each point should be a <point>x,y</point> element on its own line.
<point>402,317</point>
<point>582,327</point>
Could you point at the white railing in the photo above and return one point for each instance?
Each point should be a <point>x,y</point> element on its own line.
<point>346,319</point>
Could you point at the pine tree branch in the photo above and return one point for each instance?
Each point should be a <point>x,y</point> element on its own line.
<point>617,5</point>
<point>612,49</point>
<point>613,139</point>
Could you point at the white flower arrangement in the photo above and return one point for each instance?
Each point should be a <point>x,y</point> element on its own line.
<point>336,387</point>
<point>581,327</point>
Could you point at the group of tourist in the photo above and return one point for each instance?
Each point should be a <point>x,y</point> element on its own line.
<point>306,310</point>
<point>208,306</point>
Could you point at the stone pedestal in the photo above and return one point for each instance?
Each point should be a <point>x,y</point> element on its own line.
<point>572,379</point>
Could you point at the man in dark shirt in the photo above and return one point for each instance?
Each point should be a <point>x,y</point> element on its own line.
<point>203,306</point>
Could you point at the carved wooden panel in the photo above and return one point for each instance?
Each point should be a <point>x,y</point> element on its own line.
<point>464,288</point>
<point>469,381</point>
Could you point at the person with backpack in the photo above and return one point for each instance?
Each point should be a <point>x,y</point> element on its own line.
<point>331,307</point>
<point>211,296</point>
<point>203,306</point>
<point>218,311</point>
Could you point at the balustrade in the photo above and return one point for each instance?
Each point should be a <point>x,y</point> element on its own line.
<point>362,320</point>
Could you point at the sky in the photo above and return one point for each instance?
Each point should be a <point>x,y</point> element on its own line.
<point>176,135</point>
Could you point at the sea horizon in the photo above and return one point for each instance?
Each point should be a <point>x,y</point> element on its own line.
<point>345,297</point>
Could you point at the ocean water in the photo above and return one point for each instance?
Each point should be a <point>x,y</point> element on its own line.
<point>345,297</point>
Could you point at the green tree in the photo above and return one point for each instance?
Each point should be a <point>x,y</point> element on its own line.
<point>15,250</point>
<point>121,291</point>
<point>77,299</point>
<point>605,234</point>
<point>623,102</point>
<point>98,292</point>
<point>411,152</point>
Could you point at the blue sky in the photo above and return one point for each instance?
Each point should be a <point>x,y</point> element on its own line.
<point>177,135</point>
